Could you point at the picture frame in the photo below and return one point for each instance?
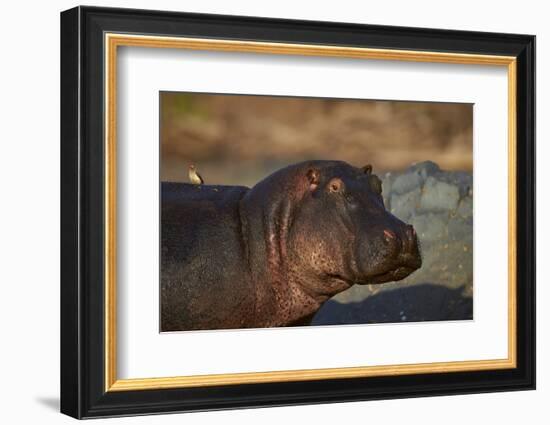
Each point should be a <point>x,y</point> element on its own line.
<point>90,40</point>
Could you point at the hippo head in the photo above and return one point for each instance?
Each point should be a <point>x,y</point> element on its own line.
<point>342,229</point>
<point>325,223</point>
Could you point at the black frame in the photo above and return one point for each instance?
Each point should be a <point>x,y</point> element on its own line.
<point>82,218</point>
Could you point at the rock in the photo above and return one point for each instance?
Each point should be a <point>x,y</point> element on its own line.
<point>465,207</point>
<point>406,182</point>
<point>424,169</point>
<point>439,196</point>
<point>430,226</point>
<point>402,206</point>
<point>460,229</point>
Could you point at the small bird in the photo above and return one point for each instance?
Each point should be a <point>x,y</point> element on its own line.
<point>194,176</point>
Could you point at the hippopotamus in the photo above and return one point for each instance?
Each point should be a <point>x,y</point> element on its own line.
<point>270,256</point>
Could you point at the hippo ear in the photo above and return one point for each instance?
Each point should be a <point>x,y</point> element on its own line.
<point>313,177</point>
<point>367,169</point>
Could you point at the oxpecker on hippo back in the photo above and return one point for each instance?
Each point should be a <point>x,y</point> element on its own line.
<point>233,257</point>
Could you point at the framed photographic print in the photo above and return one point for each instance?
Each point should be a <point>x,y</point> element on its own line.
<point>262,212</point>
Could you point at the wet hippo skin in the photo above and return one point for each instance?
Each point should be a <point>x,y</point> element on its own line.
<point>233,257</point>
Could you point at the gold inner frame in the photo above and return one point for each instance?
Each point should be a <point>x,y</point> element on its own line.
<point>113,41</point>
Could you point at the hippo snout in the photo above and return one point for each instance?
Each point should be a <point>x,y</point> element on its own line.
<point>408,258</point>
<point>396,254</point>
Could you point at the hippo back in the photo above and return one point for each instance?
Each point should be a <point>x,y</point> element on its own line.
<point>201,245</point>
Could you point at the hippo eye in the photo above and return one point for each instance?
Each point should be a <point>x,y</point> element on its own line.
<point>335,185</point>
<point>375,183</point>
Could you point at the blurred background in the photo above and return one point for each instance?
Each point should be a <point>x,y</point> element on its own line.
<point>421,151</point>
<point>239,139</point>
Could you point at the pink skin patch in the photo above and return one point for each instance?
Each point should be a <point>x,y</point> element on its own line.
<point>389,234</point>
